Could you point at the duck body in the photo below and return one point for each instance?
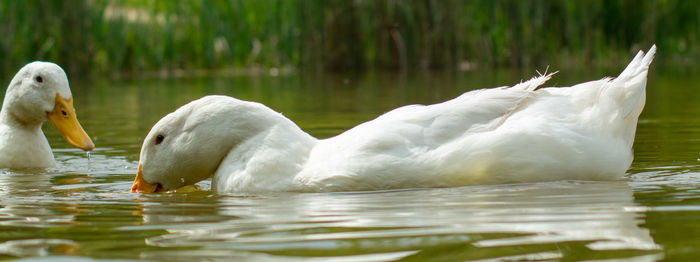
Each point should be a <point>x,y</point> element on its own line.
<point>491,136</point>
<point>440,149</point>
<point>37,93</point>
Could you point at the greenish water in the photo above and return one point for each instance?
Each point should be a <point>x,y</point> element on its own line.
<point>81,208</point>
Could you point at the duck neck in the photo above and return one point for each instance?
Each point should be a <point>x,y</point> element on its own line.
<point>22,143</point>
<point>14,114</point>
<point>7,118</point>
<point>267,161</point>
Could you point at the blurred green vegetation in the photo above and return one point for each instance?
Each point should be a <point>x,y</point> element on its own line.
<point>102,37</point>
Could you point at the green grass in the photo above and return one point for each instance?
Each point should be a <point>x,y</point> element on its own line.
<point>101,37</point>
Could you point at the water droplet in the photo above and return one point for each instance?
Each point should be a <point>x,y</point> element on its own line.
<point>88,157</point>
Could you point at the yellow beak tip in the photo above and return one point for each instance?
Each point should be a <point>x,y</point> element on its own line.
<point>140,185</point>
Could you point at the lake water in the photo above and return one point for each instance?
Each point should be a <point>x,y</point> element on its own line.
<point>81,208</point>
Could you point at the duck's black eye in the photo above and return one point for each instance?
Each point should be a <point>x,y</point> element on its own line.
<point>39,79</point>
<point>159,139</point>
<point>64,112</point>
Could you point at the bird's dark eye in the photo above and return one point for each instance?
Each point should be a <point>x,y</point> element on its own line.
<point>159,139</point>
<point>64,112</point>
<point>39,79</point>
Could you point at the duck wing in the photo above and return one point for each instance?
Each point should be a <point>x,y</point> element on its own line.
<point>395,149</point>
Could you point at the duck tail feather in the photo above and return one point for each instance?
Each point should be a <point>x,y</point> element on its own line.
<point>629,87</point>
<point>639,65</point>
<point>535,82</point>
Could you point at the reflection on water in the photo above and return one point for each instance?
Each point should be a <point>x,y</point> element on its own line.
<point>81,208</point>
<point>537,220</point>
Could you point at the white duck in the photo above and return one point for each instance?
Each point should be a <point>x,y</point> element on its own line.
<point>501,135</point>
<point>38,92</point>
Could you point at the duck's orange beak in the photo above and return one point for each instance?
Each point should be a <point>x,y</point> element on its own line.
<point>140,185</point>
<point>63,117</point>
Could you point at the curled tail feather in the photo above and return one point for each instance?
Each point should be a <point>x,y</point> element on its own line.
<point>534,82</point>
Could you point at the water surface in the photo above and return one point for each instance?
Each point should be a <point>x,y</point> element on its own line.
<point>81,207</point>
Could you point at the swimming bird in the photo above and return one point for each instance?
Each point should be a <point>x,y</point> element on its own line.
<point>518,134</point>
<point>38,92</point>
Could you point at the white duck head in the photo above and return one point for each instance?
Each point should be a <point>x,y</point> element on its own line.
<point>40,92</point>
<point>187,146</point>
